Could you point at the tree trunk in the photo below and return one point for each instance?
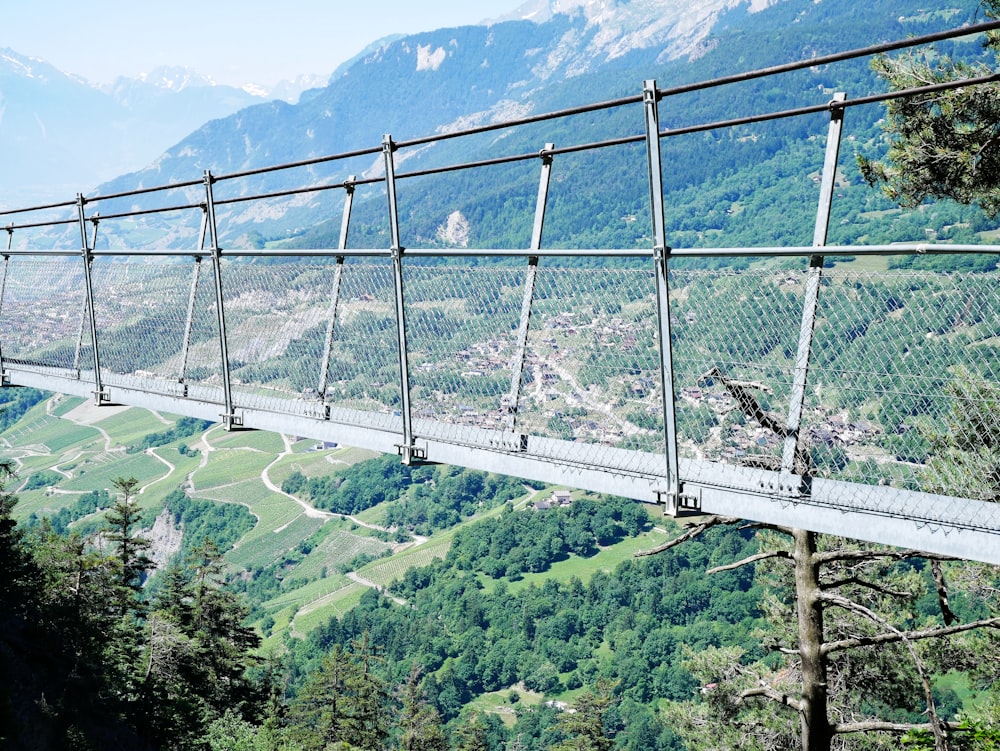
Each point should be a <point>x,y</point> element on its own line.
<point>817,733</point>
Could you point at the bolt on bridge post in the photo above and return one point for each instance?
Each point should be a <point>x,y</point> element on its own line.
<point>661,254</point>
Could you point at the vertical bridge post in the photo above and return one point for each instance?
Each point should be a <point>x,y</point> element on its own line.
<point>407,450</point>
<point>331,318</point>
<point>100,395</point>
<point>795,460</point>
<point>517,369</point>
<point>672,494</point>
<point>230,419</point>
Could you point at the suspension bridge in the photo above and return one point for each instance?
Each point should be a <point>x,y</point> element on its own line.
<point>845,400</point>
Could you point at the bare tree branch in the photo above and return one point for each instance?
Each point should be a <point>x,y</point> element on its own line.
<point>751,559</point>
<point>868,585</point>
<point>890,638</point>
<point>942,593</point>
<point>771,693</point>
<point>697,529</point>
<point>940,740</point>
<point>872,726</point>
<point>868,555</point>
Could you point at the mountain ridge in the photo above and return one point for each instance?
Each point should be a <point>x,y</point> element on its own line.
<point>60,134</point>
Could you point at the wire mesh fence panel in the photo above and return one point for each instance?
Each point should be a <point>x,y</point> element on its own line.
<point>141,312</point>
<point>364,355</point>
<point>42,311</point>
<point>200,362</point>
<point>905,385</point>
<point>592,367</point>
<point>462,333</point>
<point>275,326</point>
<point>735,338</point>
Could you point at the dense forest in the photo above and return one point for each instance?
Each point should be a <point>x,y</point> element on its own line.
<point>98,652</point>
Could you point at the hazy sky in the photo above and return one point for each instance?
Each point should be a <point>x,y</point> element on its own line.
<point>233,41</point>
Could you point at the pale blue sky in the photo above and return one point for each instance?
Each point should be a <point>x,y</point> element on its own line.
<point>234,41</point>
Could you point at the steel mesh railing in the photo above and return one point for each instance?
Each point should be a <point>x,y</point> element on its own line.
<point>43,311</point>
<point>903,389</point>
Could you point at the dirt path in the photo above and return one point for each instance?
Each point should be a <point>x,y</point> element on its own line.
<point>311,511</point>
<point>355,577</point>
<point>171,468</point>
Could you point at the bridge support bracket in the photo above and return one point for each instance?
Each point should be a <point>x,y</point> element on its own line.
<point>411,454</point>
<point>4,379</point>
<point>232,421</point>
<point>680,504</point>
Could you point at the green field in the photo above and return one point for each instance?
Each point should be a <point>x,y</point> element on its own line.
<point>228,466</point>
<point>334,606</point>
<point>583,568</point>
<point>316,463</point>
<point>100,475</point>
<point>52,432</point>
<point>308,593</point>
<point>386,571</point>
<point>130,426</point>
<point>63,404</point>
<point>260,440</point>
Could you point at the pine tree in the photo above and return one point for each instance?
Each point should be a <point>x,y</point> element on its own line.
<point>320,714</point>
<point>369,710</point>
<point>584,725</point>
<point>420,727</point>
<point>198,653</point>
<point>130,552</point>
<point>944,144</point>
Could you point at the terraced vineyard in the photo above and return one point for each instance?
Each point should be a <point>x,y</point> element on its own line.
<point>71,447</point>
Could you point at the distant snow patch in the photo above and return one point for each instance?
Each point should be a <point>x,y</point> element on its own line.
<point>427,60</point>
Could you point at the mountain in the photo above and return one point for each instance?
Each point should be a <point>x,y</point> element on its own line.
<point>60,135</point>
<point>613,29</point>
<point>549,55</point>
